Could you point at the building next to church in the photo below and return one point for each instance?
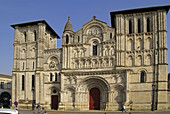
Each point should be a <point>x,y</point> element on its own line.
<point>98,67</point>
<point>5,90</point>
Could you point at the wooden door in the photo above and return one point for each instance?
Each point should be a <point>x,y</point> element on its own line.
<point>94,99</point>
<point>54,102</point>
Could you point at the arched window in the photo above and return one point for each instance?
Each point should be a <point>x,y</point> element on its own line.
<point>139,26</point>
<point>35,36</point>
<point>67,39</point>
<point>130,26</point>
<point>25,37</point>
<point>110,35</point>
<point>148,25</point>
<point>94,48</point>
<point>142,77</point>
<point>51,77</point>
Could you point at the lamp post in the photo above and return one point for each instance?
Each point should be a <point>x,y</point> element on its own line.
<point>153,97</point>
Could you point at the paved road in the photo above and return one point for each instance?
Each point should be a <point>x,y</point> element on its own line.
<point>91,112</point>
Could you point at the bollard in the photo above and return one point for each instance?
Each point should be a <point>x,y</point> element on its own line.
<point>105,113</point>
<point>129,112</point>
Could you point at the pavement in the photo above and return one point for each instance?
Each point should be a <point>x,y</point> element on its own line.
<point>90,112</point>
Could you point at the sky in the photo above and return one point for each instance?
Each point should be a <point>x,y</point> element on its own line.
<point>56,13</point>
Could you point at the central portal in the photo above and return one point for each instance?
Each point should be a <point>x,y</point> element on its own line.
<point>94,99</point>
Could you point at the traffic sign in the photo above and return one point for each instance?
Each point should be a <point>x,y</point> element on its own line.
<point>15,103</point>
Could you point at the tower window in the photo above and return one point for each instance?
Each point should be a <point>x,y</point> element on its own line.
<point>51,77</point>
<point>130,26</point>
<point>67,39</point>
<point>23,82</point>
<point>2,85</point>
<point>142,77</point>
<point>33,65</point>
<point>35,36</point>
<point>78,39</point>
<point>169,81</point>
<point>139,26</point>
<point>110,35</point>
<point>148,25</point>
<point>94,48</point>
<point>25,36</point>
<point>33,81</point>
<point>55,76</point>
<point>23,66</point>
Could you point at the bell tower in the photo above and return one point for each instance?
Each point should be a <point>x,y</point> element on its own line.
<point>67,40</point>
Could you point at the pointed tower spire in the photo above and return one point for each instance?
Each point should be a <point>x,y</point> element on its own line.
<point>68,26</point>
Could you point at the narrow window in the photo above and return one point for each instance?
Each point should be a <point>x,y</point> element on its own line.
<point>168,81</point>
<point>51,77</point>
<point>23,66</point>
<point>2,85</point>
<point>25,36</point>
<point>130,27</point>
<point>33,65</point>
<point>8,85</point>
<point>55,76</point>
<point>94,48</point>
<point>35,36</point>
<point>148,25</point>
<point>33,82</point>
<point>23,82</point>
<point>67,39</point>
<point>78,39</point>
<point>139,26</point>
<point>142,77</point>
<point>110,35</point>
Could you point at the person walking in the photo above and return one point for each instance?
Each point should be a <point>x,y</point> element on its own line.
<point>124,109</point>
<point>38,107</point>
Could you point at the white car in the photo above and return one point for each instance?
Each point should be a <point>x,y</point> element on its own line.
<point>8,111</point>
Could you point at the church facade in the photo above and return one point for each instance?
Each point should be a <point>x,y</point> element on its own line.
<point>98,67</point>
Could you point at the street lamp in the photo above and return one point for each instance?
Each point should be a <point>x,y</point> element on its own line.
<point>153,96</point>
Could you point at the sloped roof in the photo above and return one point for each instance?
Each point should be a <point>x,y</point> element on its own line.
<point>35,23</point>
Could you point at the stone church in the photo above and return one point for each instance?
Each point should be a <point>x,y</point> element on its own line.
<point>98,67</point>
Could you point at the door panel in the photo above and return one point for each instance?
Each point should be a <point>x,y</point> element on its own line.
<point>54,102</point>
<point>94,99</point>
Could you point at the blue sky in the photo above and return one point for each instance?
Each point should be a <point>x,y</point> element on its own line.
<point>56,12</point>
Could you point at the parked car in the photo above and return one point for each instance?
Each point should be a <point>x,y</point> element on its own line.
<point>8,111</point>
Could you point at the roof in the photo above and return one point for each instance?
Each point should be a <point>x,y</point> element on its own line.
<point>35,23</point>
<point>139,10</point>
<point>68,26</point>
<point>7,76</point>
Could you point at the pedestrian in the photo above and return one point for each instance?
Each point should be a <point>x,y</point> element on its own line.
<point>38,107</point>
<point>124,109</point>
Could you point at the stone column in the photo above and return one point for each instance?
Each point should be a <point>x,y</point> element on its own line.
<point>127,85</point>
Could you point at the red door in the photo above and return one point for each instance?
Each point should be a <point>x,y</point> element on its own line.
<point>54,102</point>
<point>94,99</point>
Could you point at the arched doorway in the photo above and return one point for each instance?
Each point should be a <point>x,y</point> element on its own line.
<point>94,99</point>
<point>5,99</point>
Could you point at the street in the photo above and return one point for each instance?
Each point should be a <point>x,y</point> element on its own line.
<point>91,112</point>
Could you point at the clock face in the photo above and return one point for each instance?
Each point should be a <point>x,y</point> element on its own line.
<point>94,31</point>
